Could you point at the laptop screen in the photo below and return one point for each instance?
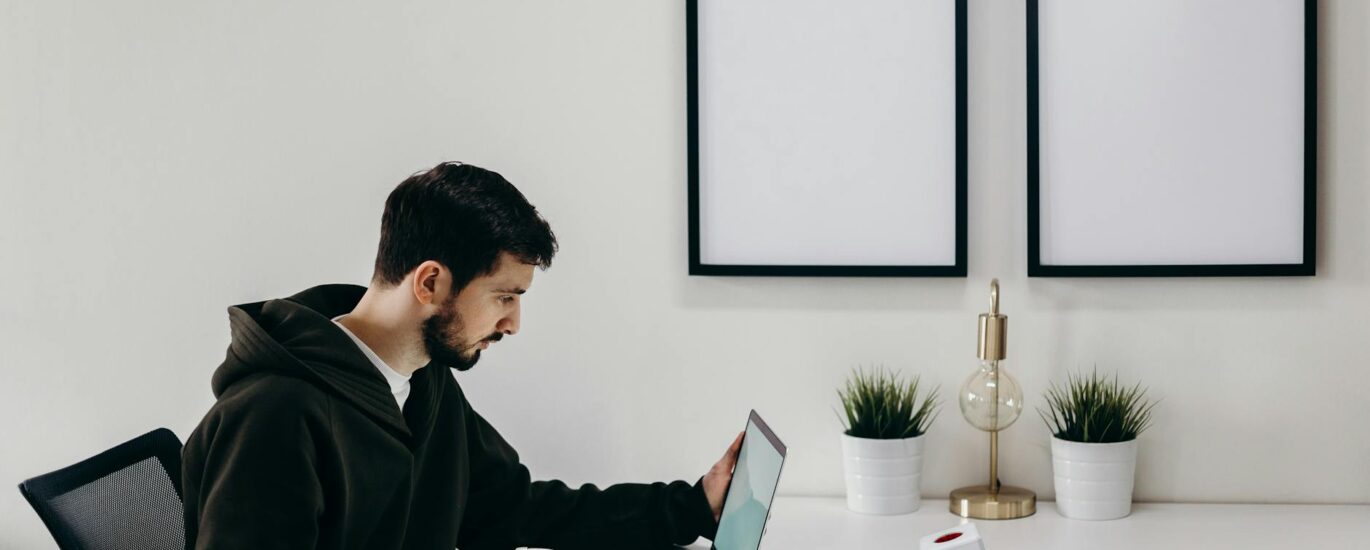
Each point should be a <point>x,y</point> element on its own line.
<point>753,486</point>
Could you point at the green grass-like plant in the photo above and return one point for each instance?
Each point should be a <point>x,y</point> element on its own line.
<point>1094,409</point>
<point>881,405</point>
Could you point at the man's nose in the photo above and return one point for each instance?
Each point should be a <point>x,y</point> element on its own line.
<point>510,324</point>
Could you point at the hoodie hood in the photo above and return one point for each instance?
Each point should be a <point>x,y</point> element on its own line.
<point>296,337</point>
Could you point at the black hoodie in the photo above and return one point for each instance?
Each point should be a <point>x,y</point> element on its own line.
<point>306,448</point>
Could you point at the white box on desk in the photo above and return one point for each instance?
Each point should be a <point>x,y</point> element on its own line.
<point>961,537</point>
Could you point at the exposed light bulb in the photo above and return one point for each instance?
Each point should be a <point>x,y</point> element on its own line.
<point>980,392</point>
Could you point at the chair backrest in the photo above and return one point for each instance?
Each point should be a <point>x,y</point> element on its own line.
<point>126,497</point>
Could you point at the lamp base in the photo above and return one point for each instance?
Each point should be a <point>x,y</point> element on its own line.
<point>980,502</point>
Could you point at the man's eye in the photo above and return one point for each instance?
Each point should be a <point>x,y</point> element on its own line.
<point>506,299</point>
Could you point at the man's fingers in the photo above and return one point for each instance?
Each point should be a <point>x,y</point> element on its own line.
<point>730,457</point>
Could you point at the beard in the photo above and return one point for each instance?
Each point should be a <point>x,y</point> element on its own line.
<point>442,339</point>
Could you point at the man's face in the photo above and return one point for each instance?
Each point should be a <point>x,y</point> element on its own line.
<point>479,315</point>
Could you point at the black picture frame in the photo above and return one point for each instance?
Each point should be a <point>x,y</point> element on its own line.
<point>1307,267</point>
<point>697,267</point>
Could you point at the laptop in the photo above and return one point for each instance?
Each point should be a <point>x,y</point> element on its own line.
<point>747,505</point>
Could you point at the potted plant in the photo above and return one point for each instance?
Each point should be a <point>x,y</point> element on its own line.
<point>1095,422</point>
<point>882,444</point>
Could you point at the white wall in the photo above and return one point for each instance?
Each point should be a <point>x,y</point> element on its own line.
<point>162,160</point>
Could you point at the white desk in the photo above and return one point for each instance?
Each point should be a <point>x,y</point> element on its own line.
<point>825,523</point>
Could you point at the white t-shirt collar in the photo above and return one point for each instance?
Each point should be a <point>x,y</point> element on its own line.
<point>399,383</point>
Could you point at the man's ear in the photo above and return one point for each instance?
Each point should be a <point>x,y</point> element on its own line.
<point>431,282</point>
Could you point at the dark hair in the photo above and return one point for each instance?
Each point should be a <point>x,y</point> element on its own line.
<point>463,217</point>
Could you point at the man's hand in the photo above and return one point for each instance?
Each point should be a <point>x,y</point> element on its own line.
<point>716,481</point>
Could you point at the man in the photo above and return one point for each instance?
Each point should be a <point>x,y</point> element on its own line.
<point>339,424</point>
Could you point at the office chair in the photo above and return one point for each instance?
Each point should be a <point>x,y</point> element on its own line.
<point>126,497</point>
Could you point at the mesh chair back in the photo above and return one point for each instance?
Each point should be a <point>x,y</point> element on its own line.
<point>126,497</point>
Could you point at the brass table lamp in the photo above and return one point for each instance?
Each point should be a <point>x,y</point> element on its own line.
<point>991,400</point>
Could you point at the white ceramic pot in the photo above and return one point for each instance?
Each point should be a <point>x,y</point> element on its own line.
<point>1094,480</point>
<point>884,476</point>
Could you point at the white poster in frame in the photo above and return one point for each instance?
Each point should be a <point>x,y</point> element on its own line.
<point>1171,138</point>
<point>827,137</point>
